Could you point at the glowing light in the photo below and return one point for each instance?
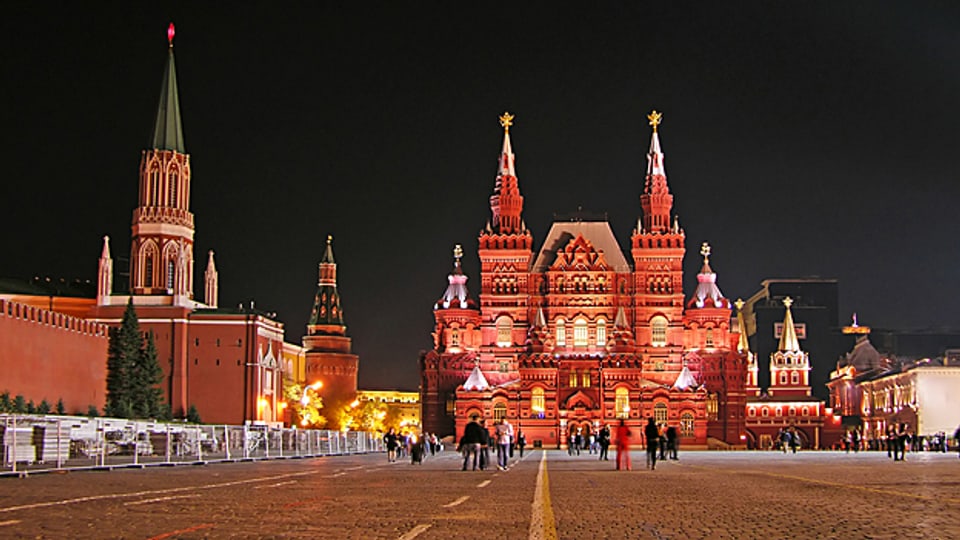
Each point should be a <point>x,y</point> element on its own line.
<point>261,403</point>
<point>170,33</point>
<point>283,405</point>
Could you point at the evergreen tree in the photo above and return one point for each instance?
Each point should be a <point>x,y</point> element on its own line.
<point>19,405</point>
<point>146,379</point>
<point>123,352</point>
<point>43,407</point>
<point>31,408</point>
<point>6,405</point>
<point>193,415</point>
<point>61,408</point>
<point>92,411</point>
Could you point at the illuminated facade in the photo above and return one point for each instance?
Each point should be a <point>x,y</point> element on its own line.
<point>787,402</point>
<point>577,334</point>
<point>406,404</point>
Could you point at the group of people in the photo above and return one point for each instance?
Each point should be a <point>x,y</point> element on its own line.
<point>400,445</point>
<point>477,440</point>
<point>789,437</point>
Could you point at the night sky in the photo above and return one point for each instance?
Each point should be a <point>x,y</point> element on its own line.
<point>801,139</point>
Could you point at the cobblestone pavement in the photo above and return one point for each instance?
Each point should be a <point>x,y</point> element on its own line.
<point>708,495</point>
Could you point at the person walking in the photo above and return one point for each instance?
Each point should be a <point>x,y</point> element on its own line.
<point>392,442</point>
<point>623,446</point>
<point>603,439</point>
<point>672,442</point>
<point>785,439</point>
<point>652,434</point>
<point>521,442</point>
<point>502,434</point>
<point>470,442</point>
<point>484,445</point>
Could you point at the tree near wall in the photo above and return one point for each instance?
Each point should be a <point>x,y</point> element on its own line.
<point>133,372</point>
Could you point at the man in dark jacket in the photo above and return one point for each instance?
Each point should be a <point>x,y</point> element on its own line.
<point>470,442</point>
<point>652,434</point>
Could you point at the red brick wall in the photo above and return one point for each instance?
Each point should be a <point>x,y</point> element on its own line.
<point>49,355</point>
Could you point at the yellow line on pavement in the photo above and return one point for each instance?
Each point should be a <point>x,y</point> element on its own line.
<point>937,498</point>
<point>542,523</point>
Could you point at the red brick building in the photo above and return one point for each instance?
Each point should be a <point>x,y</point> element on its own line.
<point>578,333</point>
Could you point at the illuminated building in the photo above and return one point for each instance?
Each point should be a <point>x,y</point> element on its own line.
<point>406,404</point>
<point>577,334</point>
<point>787,402</point>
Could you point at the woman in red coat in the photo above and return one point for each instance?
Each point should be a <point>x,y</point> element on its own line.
<point>623,446</point>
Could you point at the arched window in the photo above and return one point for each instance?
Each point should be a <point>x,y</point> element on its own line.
<point>660,413</point>
<point>585,379</point>
<point>174,180</point>
<point>709,340</point>
<point>766,412</point>
<point>536,402</point>
<point>572,382</point>
<point>601,333</point>
<point>499,411</point>
<point>686,425</point>
<point>783,377</point>
<point>153,196</point>
<point>504,332</point>
<point>794,377</point>
<point>170,267</point>
<point>805,411</point>
<point>658,328</point>
<point>580,333</point>
<point>561,333</point>
<point>622,403</point>
<point>148,271</point>
<point>753,412</point>
<point>454,338</point>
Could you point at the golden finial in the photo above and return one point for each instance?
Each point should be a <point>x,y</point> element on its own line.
<point>329,239</point>
<point>705,251</point>
<point>457,252</point>
<point>654,118</point>
<point>788,302</point>
<point>506,121</point>
<point>739,303</point>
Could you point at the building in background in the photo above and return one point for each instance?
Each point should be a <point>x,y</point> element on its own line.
<point>576,334</point>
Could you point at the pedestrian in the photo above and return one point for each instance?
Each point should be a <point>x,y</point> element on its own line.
<point>392,442</point>
<point>470,442</point>
<point>672,442</point>
<point>652,434</point>
<point>578,441</point>
<point>662,428</point>
<point>604,441</point>
<point>785,439</point>
<point>521,442</point>
<point>892,441</point>
<point>903,437</point>
<point>502,435</point>
<point>956,437</point>
<point>794,440</point>
<point>623,446</point>
<point>484,445</point>
<point>855,440</point>
<point>511,435</point>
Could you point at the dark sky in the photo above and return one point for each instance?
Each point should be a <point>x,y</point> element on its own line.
<point>801,138</point>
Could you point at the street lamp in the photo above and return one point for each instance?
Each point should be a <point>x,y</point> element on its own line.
<point>304,399</point>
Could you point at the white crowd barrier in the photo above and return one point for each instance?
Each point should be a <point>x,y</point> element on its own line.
<point>34,443</point>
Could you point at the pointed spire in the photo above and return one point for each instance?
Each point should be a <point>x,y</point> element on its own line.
<point>656,200</point>
<point>328,253</point>
<point>104,273</point>
<point>743,345</point>
<point>326,304</point>
<point>685,381</point>
<point>707,293</point>
<point>506,203</point>
<point>456,295</point>
<point>541,320</point>
<point>168,129</point>
<point>476,382</point>
<point>655,155</point>
<point>211,289</point>
<point>788,338</point>
<point>621,320</point>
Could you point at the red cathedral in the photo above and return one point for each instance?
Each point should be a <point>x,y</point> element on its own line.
<point>576,334</point>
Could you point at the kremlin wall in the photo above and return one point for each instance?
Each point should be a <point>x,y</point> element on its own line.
<point>561,339</point>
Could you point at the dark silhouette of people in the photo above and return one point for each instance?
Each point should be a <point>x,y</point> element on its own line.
<point>652,434</point>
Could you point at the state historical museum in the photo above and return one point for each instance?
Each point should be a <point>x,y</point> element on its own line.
<point>576,334</point>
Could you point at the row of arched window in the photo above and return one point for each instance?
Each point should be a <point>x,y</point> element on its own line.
<point>778,411</point>
<point>581,332</point>
<point>160,193</point>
